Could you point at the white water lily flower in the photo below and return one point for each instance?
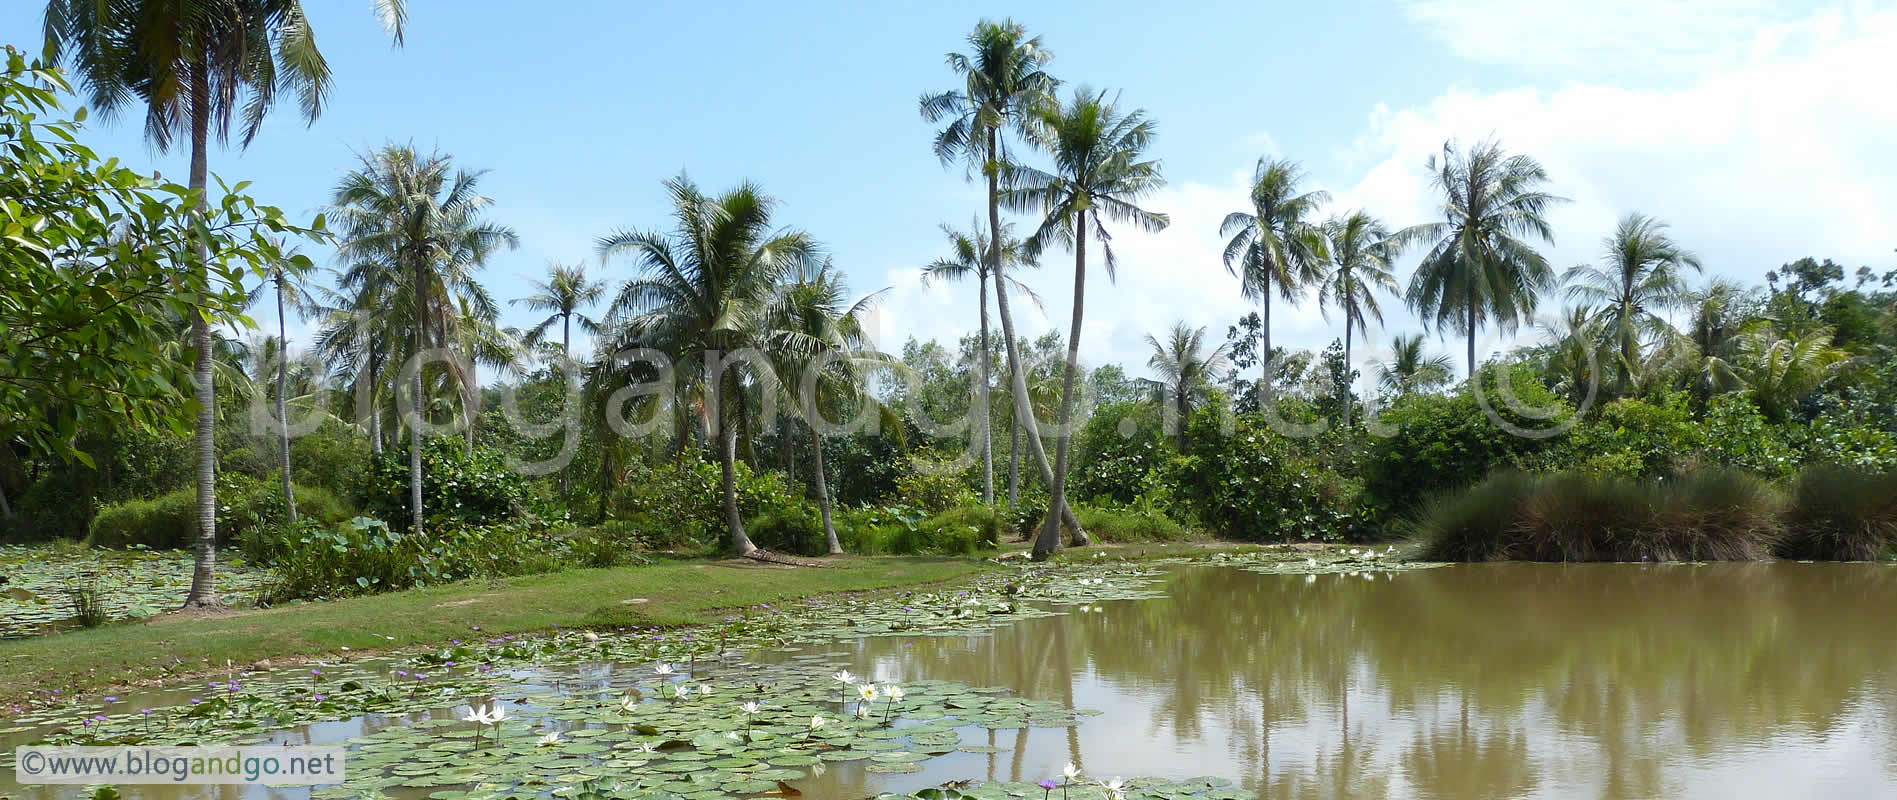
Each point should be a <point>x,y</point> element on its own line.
<point>866,691</point>
<point>1310,562</point>
<point>844,677</point>
<point>1116,788</point>
<point>628,704</point>
<point>892,691</point>
<point>732,735</point>
<point>647,747</point>
<point>497,715</point>
<point>681,691</point>
<point>817,723</point>
<point>862,711</point>
<point>478,716</point>
<point>550,739</point>
<point>592,638</point>
<point>663,669</point>
<point>704,690</point>
<point>1070,771</point>
<point>749,706</point>
<point>1355,552</point>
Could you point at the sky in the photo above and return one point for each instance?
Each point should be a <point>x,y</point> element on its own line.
<point>1761,131</point>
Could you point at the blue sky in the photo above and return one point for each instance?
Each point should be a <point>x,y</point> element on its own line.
<point>1760,129</point>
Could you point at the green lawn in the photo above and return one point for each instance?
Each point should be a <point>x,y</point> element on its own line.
<point>666,593</point>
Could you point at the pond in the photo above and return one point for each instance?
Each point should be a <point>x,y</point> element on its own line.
<point>1475,681</point>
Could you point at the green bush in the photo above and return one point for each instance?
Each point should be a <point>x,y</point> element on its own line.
<point>931,490</point>
<point>686,500</point>
<point>1718,515</point>
<point>1841,514</point>
<point>1446,443</point>
<point>366,556</point>
<point>1737,435</point>
<point>458,487</point>
<point>166,522</point>
<point>789,528</point>
<point>1257,485</point>
<point>245,505</point>
<point>902,530</point>
<point>1631,438</point>
<point>1115,453</point>
<point>1121,525</point>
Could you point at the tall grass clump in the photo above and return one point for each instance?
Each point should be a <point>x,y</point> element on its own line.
<point>1714,515</point>
<point>1841,514</point>
<point>1125,525</point>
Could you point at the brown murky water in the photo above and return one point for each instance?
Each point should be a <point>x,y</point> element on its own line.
<point>1599,681</point>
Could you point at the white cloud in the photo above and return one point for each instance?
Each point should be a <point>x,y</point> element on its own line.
<point>1760,163</point>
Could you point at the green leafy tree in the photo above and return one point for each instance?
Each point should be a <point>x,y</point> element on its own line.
<point>192,67</point>
<point>1100,171</point>
<point>1360,253</point>
<point>1480,268</point>
<point>702,295</point>
<point>1276,243</point>
<point>414,231</point>
<point>1641,277</point>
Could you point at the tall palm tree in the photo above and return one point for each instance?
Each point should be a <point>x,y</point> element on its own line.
<point>1185,369</point>
<point>1275,243</point>
<point>1360,254</point>
<point>190,65</point>
<point>1779,369</point>
<point>703,293</point>
<point>1577,347</point>
<point>412,227</point>
<point>821,353</point>
<point>1005,88</point>
<point>1479,269</point>
<point>1100,172</point>
<point>564,295</point>
<point>1719,315</point>
<point>1410,370</point>
<point>969,257</point>
<point>285,277</point>
<point>1642,274</point>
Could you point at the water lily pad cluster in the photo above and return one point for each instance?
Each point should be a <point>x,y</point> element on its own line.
<point>1331,561</point>
<point>1133,789</point>
<point>129,583</point>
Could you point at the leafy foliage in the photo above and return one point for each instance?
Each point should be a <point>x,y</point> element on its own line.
<point>462,486</point>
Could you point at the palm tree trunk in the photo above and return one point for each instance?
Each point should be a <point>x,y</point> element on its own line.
<point>6,511</point>
<point>987,419</point>
<point>1014,461</point>
<point>1472,337</point>
<point>204,570</point>
<point>1023,411</point>
<point>1057,492</point>
<point>728,463</point>
<point>283,414</point>
<point>566,359</point>
<point>420,403</point>
<point>1266,388</point>
<point>822,484</point>
<point>1343,392</point>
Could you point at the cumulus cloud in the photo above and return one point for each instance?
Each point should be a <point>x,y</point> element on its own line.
<point>1782,154</point>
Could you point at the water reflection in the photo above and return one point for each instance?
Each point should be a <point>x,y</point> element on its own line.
<point>1509,680</point>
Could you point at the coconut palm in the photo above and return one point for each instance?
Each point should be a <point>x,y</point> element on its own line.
<point>1642,274</point>
<point>564,295</point>
<point>1410,370</point>
<point>1720,313</point>
<point>1479,269</point>
<point>1577,347</point>
<point>1275,243</point>
<point>1185,370</point>
<point>822,354</point>
<point>703,294</point>
<point>969,257</point>
<point>1005,88</point>
<point>192,66</point>
<point>412,228</point>
<point>1360,254</point>
<point>285,280</point>
<point>1777,369</point>
<point>1100,172</point>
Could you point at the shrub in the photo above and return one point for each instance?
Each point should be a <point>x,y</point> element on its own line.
<point>931,489</point>
<point>166,522</point>
<point>1446,443</point>
<point>1632,438</point>
<point>365,556</point>
<point>1841,514</point>
<point>1115,453</point>
<point>1710,515</point>
<point>244,505</point>
<point>1130,525</point>
<point>457,486</point>
<point>789,528</point>
<point>902,530</point>
<point>1737,435</point>
<point>684,502</point>
<point>1256,485</point>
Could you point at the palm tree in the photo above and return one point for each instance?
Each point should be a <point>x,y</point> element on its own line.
<point>1005,87</point>
<point>1274,243</point>
<point>190,65</point>
<point>1360,252</point>
<point>564,294</point>
<point>1719,316</point>
<point>1478,269</point>
<point>821,353</point>
<point>1410,370</point>
<point>1184,369</point>
<point>1100,172</point>
<point>1576,347</point>
<point>413,230</point>
<point>1642,274</point>
<point>1778,370</point>
<point>703,293</point>
<point>285,277</point>
<point>969,257</point>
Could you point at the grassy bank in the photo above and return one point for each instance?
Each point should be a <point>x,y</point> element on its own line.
<point>666,593</point>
